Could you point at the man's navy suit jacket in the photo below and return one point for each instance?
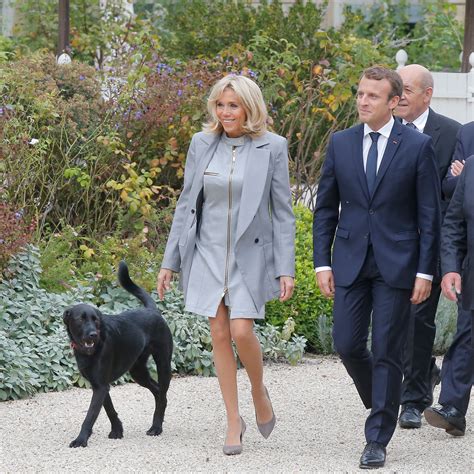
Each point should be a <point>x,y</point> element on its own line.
<point>464,149</point>
<point>457,250</point>
<point>401,219</point>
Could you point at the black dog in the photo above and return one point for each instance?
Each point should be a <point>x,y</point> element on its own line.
<point>108,346</point>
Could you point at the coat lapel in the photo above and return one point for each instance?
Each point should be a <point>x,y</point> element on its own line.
<point>205,148</point>
<point>392,145</point>
<point>255,176</point>
<point>432,127</point>
<point>358,159</point>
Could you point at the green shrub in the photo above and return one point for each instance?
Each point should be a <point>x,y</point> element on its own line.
<point>311,311</point>
<point>446,322</point>
<point>15,232</point>
<point>34,351</point>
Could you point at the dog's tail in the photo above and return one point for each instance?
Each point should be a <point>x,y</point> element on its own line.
<point>135,290</point>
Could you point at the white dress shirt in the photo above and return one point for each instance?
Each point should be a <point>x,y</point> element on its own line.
<point>385,132</point>
<point>419,122</point>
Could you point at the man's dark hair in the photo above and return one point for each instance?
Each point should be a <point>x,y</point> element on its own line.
<point>378,73</point>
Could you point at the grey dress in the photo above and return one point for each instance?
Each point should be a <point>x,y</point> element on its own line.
<point>214,273</point>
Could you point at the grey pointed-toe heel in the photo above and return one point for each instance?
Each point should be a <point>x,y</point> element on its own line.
<point>267,428</point>
<point>231,449</point>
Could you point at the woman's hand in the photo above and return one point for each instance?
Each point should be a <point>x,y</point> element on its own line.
<point>287,284</point>
<point>163,284</point>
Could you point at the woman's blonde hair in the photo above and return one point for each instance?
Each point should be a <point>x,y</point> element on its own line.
<point>252,101</point>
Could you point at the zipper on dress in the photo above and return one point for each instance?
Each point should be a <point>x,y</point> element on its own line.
<point>229,223</point>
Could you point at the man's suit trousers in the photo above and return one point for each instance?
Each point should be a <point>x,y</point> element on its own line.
<point>377,374</point>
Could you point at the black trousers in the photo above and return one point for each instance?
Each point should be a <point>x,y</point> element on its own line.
<point>377,373</point>
<point>418,361</point>
<point>457,372</point>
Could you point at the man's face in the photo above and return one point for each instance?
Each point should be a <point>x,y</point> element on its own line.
<point>373,103</point>
<point>415,99</point>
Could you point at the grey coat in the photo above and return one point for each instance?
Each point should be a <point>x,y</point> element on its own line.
<point>265,236</point>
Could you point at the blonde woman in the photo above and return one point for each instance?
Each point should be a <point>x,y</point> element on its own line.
<point>232,239</point>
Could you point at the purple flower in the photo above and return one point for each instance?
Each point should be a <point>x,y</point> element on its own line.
<point>180,92</point>
<point>1,111</point>
<point>2,241</point>
<point>138,115</point>
<point>81,77</point>
<point>199,83</point>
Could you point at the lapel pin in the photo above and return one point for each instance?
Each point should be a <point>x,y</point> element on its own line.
<point>394,142</point>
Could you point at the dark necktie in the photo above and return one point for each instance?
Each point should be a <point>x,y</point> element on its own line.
<point>411,125</point>
<point>371,166</point>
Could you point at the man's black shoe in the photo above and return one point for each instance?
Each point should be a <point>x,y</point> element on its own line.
<point>373,456</point>
<point>410,417</point>
<point>448,418</point>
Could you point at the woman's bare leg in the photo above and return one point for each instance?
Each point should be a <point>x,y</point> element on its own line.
<point>250,353</point>
<point>226,369</point>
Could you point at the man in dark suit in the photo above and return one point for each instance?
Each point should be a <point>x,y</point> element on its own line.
<point>378,200</point>
<point>458,363</point>
<point>420,371</point>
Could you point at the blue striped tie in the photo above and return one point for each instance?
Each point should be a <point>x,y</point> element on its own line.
<point>411,125</point>
<point>371,166</point>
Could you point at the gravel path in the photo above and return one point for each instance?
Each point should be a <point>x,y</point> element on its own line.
<point>319,429</point>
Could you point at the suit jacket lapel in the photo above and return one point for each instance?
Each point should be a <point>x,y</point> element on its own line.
<point>358,159</point>
<point>432,127</point>
<point>255,176</point>
<point>392,145</point>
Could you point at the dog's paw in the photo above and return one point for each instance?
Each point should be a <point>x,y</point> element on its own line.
<point>154,431</point>
<point>116,434</point>
<point>78,443</point>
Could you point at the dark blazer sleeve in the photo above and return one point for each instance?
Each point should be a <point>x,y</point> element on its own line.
<point>454,232</point>
<point>326,213</point>
<point>450,181</point>
<point>428,209</point>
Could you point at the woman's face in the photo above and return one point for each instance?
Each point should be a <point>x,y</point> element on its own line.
<point>230,113</point>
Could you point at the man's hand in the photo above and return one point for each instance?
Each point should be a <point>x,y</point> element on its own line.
<point>287,285</point>
<point>451,285</point>
<point>325,281</point>
<point>421,290</point>
<point>457,167</point>
<point>163,283</point>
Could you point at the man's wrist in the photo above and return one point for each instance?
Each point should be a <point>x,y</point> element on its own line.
<point>322,269</point>
<point>424,276</point>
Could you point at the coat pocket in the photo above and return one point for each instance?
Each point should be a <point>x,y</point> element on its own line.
<point>407,235</point>
<point>343,233</point>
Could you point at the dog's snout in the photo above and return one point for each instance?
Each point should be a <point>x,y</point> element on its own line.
<point>93,334</point>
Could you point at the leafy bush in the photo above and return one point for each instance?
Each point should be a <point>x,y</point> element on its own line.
<point>34,348</point>
<point>311,311</point>
<point>435,40</point>
<point>58,148</point>
<point>15,233</point>
<point>34,353</point>
<point>446,323</point>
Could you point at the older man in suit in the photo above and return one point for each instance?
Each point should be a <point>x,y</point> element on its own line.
<point>420,371</point>
<point>378,200</point>
<point>458,363</point>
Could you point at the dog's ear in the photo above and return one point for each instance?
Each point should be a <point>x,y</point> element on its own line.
<point>66,316</point>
